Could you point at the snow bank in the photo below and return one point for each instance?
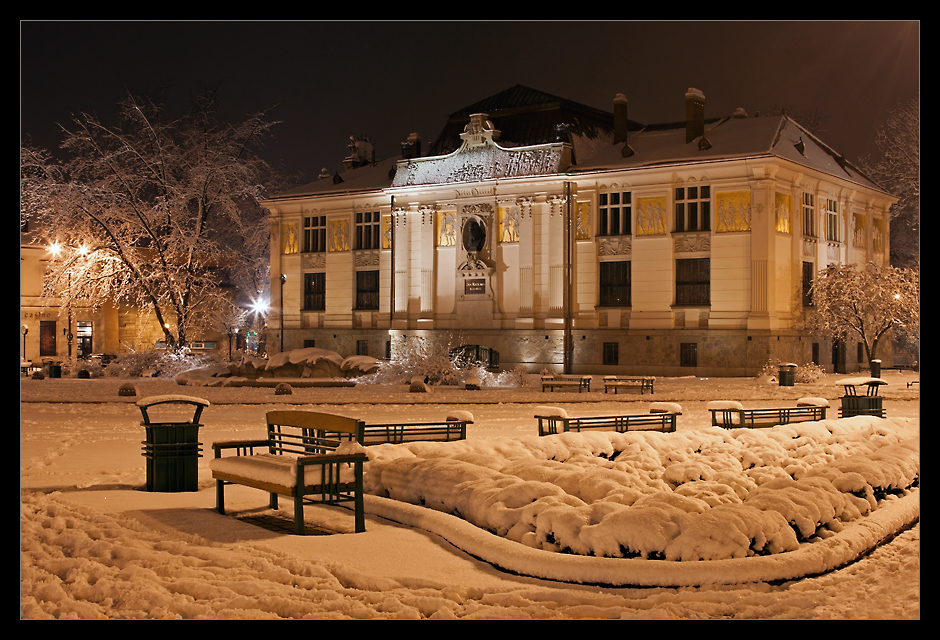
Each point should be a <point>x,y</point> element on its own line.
<point>704,495</point>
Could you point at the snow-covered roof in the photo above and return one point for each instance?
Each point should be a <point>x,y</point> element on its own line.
<point>593,150</point>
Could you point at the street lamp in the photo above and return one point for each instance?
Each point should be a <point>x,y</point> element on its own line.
<point>283,280</point>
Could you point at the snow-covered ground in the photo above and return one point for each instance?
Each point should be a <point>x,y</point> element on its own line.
<point>95,544</point>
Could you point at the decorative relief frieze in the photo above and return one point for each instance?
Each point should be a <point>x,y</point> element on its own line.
<point>615,246</point>
<point>686,242</point>
<point>782,210</point>
<point>651,216</point>
<point>734,211</point>
<point>387,223</point>
<point>809,247</point>
<point>582,220</point>
<point>446,233</point>
<point>289,238</point>
<point>313,260</point>
<point>508,226</point>
<point>338,235</point>
<point>365,258</point>
<point>476,192</point>
<point>480,158</point>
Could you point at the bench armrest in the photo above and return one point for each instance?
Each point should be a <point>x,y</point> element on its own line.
<point>237,444</point>
<point>329,458</point>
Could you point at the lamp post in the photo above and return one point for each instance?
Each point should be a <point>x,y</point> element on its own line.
<point>283,280</point>
<point>25,330</point>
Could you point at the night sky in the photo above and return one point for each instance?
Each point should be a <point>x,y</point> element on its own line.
<point>385,80</point>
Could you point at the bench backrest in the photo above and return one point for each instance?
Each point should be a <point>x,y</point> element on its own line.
<point>549,425</point>
<point>309,432</point>
<point>765,417</point>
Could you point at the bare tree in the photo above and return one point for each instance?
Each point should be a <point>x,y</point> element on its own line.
<point>866,302</point>
<point>814,120</point>
<point>157,212</point>
<point>898,171</point>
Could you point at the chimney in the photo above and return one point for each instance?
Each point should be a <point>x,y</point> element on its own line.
<point>412,147</point>
<point>620,119</point>
<point>694,114</point>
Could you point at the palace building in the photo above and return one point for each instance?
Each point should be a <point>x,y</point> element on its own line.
<point>557,236</point>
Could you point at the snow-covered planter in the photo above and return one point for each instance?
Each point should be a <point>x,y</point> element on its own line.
<point>688,496</point>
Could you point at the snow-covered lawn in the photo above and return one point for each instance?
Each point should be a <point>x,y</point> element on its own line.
<point>713,523</point>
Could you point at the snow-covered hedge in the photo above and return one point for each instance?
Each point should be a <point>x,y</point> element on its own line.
<point>691,495</point>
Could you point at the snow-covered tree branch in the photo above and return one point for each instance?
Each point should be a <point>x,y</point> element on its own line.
<point>866,302</point>
<point>153,211</point>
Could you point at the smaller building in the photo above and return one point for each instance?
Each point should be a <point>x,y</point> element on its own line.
<point>53,333</point>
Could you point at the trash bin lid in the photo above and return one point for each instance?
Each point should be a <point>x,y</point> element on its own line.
<point>862,380</point>
<point>150,401</point>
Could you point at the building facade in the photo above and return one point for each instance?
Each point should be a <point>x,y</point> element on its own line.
<point>567,238</point>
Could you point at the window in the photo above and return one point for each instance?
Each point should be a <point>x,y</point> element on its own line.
<point>315,234</point>
<point>367,230</point>
<point>808,271</point>
<point>688,354</point>
<point>832,220</point>
<point>314,291</point>
<point>615,211</point>
<point>615,284</point>
<point>367,290</point>
<point>693,208</point>
<point>693,281</point>
<point>362,347</point>
<point>809,215</point>
<point>611,353</point>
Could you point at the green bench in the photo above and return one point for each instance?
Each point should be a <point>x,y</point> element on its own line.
<point>582,383</point>
<point>628,382</point>
<point>553,424</point>
<point>297,460</point>
<point>732,415</point>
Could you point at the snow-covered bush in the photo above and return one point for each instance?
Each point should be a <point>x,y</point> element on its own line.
<point>808,372</point>
<point>158,363</point>
<point>419,356</point>
<point>517,377</point>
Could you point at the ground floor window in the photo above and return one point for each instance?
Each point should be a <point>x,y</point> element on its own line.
<point>362,347</point>
<point>367,290</point>
<point>615,284</point>
<point>611,353</point>
<point>314,291</point>
<point>693,281</point>
<point>688,354</point>
<point>807,284</point>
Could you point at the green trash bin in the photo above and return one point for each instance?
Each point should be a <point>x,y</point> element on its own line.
<point>172,449</point>
<point>869,404</point>
<point>787,375</point>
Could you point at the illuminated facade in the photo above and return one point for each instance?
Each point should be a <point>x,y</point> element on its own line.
<point>573,239</point>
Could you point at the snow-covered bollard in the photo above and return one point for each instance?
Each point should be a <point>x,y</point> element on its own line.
<point>418,385</point>
<point>553,412</point>
<point>472,383</point>
<point>127,389</point>
<point>459,416</point>
<point>283,389</point>
<point>812,402</point>
<point>666,407</point>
